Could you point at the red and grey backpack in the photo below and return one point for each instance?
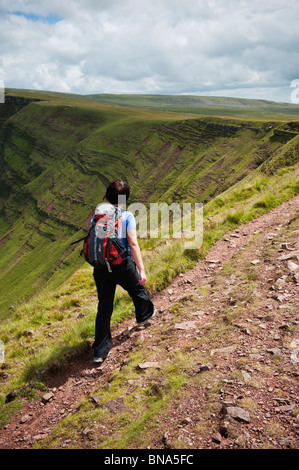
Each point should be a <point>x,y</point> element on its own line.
<point>103,245</point>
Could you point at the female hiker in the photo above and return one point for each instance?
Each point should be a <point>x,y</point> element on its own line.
<point>129,274</point>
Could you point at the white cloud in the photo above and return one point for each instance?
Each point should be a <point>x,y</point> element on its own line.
<point>151,46</point>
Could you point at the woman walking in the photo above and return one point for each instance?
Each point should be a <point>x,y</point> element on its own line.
<point>129,274</point>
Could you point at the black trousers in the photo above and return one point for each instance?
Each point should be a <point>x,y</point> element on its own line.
<point>127,276</point>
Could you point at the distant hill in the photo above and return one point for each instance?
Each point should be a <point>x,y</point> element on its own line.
<point>201,105</point>
<point>204,105</point>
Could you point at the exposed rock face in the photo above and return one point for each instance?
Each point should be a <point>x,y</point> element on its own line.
<point>19,100</point>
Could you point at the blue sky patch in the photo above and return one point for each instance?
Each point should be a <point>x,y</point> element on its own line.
<point>52,18</point>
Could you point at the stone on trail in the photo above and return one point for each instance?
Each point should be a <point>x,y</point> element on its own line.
<point>295,356</point>
<point>116,406</point>
<point>274,351</point>
<point>187,325</point>
<point>293,254</point>
<point>97,400</point>
<point>205,367</point>
<point>237,413</point>
<point>292,266</point>
<point>217,438</point>
<point>227,349</point>
<point>198,313</point>
<point>47,397</point>
<point>147,365</point>
<point>287,246</point>
<point>24,419</point>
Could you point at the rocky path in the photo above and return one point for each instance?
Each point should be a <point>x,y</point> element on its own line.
<point>38,418</point>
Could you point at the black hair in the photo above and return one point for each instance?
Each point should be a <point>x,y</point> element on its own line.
<point>115,189</point>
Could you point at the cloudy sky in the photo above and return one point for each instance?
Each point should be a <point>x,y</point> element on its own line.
<point>242,48</point>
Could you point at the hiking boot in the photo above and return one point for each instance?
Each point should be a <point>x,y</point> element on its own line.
<point>144,322</point>
<point>100,359</point>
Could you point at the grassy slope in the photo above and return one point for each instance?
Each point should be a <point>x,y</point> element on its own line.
<point>159,399</point>
<point>58,155</point>
<point>50,206</point>
<point>65,316</point>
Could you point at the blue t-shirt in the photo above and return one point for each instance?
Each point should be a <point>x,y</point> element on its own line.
<point>128,221</point>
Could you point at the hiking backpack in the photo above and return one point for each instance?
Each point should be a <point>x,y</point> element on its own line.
<point>102,245</point>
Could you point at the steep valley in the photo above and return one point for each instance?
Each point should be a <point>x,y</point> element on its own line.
<point>58,154</point>
<point>217,366</point>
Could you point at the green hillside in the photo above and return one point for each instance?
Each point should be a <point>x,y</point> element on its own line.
<point>58,153</point>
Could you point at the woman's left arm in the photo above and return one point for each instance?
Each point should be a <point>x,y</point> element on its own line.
<point>136,254</point>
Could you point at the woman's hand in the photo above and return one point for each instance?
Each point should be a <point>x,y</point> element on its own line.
<point>135,251</point>
<point>142,279</point>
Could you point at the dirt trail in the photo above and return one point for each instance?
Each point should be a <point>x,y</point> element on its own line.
<point>65,389</point>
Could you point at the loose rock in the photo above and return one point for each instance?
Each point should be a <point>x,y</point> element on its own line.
<point>205,367</point>
<point>292,266</point>
<point>166,440</point>
<point>147,365</point>
<point>186,421</point>
<point>47,397</point>
<point>274,351</point>
<point>116,406</point>
<point>188,325</point>
<point>239,414</point>
<point>217,438</point>
<point>24,419</point>
<point>286,246</point>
